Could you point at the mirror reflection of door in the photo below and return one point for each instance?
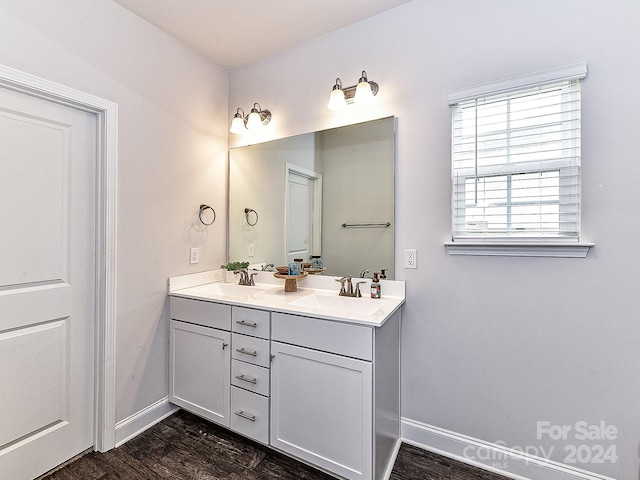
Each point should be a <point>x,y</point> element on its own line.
<point>303,204</point>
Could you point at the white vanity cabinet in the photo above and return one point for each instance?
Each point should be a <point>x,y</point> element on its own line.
<point>323,390</point>
<point>200,358</point>
<point>335,393</point>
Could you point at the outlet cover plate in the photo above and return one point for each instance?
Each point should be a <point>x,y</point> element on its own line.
<point>410,258</point>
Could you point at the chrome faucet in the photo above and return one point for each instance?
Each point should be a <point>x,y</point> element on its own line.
<point>245,279</point>
<point>266,267</point>
<point>363,273</point>
<point>346,287</point>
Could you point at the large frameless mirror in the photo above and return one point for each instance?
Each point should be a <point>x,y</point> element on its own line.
<point>328,193</point>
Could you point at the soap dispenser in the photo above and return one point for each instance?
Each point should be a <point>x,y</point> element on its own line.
<point>375,286</point>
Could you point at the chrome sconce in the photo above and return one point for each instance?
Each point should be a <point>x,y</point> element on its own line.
<point>257,118</point>
<point>361,93</point>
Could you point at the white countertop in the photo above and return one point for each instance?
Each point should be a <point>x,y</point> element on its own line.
<point>269,294</point>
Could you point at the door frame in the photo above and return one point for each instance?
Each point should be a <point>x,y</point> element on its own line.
<point>106,190</point>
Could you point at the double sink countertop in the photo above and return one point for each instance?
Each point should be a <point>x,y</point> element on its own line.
<point>317,296</point>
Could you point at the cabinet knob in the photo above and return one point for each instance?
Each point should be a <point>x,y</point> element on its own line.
<point>224,345</point>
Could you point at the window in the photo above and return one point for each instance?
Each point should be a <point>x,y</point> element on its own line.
<point>516,159</point>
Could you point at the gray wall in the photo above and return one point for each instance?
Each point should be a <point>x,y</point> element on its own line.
<point>492,345</point>
<point>357,188</point>
<point>172,153</point>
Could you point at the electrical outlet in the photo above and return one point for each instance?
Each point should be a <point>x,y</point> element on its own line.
<point>251,250</point>
<point>410,258</point>
<point>194,255</point>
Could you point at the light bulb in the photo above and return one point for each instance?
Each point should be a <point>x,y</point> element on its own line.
<point>363,92</point>
<point>337,100</point>
<point>237,125</point>
<point>254,121</point>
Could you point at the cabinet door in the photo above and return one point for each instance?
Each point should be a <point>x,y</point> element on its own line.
<point>321,409</point>
<point>200,370</point>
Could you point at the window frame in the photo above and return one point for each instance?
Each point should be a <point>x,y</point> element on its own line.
<point>513,245</point>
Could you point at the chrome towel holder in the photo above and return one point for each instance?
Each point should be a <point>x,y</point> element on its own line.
<point>365,225</point>
<point>247,211</point>
<point>204,208</point>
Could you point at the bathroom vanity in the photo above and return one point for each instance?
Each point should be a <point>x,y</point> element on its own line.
<point>309,373</point>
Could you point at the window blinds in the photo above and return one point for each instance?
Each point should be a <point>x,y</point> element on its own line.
<point>516,163</point>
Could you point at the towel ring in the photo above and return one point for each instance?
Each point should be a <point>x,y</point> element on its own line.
<point>247,211</point>
<point>203,208</point>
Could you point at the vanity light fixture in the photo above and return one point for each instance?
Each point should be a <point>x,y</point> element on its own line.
<point>361,93</point>
<point>257,118</point>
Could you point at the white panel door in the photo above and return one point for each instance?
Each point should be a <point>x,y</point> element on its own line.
<point>303,213</point>
<point>47,283</point>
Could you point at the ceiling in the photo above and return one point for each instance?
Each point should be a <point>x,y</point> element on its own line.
<point>232,33</point>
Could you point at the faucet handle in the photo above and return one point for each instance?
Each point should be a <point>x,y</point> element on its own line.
<point>251,281</point>
<point>358,294</point>
<point>341,280</point>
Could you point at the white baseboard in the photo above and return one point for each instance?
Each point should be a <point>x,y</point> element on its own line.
<point>496,458</point>
<point>140,421</point>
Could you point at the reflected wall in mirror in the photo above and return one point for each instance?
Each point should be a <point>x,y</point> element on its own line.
<point>303,189</point>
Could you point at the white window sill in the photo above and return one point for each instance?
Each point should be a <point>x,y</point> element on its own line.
<point>540,249</point>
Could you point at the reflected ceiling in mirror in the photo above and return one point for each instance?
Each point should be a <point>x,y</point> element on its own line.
<point>328,193</point>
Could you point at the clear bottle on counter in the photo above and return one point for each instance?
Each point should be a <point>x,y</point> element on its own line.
<point>316,262</point>
<point>298,266</point>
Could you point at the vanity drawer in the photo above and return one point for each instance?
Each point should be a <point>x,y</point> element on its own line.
<point>250,414</point>
<point>250,377</point>
<point>250,349</point>
<point>250,322</point>
<point>207,314</point>
<point>333,337</point>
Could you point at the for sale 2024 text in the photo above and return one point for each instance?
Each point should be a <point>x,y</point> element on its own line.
<point>582,431</point>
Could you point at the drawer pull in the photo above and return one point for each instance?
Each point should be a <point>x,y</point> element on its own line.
<point>246,324</point>
<point>248,416</point>
<point>247,379</point>
<point>247,352</point>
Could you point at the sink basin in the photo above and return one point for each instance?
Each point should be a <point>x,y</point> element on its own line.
<point>340,305</point>
<point>229,290</point>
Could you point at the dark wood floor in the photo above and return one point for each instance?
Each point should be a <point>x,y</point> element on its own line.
<point>185,447</point>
